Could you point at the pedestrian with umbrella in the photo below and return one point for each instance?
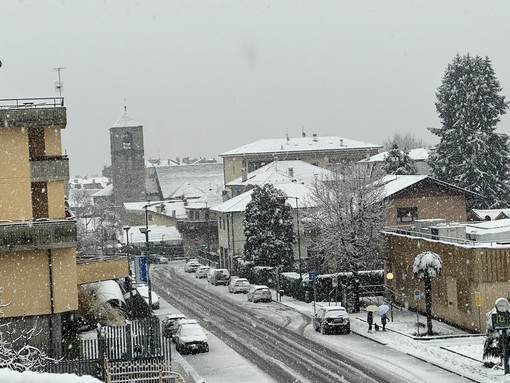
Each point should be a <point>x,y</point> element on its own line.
<point>370,316</point>
<point>382,310</point>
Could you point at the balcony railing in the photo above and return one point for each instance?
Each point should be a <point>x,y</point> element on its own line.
<point>40,234</point>
<point>54,168</point>
<point>33,112</point>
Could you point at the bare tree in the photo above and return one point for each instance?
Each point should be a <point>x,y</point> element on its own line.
<point>349,215</point>
<point>405,140</point>
<point>15,351</point>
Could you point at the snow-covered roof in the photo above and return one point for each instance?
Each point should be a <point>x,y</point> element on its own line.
<point>105,192</point>
<point>419,154</point>
<point>204,177</point>
<point>169,207</point>
<point>299,144</point>
<point>279,172</point>
<point>80,182</point>
<point>188,191</point>
<point>393,184</point>
<point>210,200</point>
<point>156,234</point>
<point>483,227</point>
<point>126,121</point>
<point>291,190</point>
<point>491,213</point>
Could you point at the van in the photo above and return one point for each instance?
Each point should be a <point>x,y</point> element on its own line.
<point>218,277</point>
<point>260,294</point>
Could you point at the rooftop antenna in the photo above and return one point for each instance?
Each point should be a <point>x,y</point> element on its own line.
<point>303,131</point>
<point>58,85</point>
<point>125,105</point>
<point>287,134</point>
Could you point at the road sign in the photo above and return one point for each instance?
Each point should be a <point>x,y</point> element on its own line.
<point>417,294</point>
<point>142,270</point>
<point>312,275</point>
<point>501,320</point>
<point>478,299</point>
<point>334,281</point>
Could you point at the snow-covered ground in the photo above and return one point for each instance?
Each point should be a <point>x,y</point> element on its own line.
<point>7,375</point>
<point>451,349</point>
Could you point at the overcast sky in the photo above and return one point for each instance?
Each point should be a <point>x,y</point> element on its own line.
<point>204,77</point>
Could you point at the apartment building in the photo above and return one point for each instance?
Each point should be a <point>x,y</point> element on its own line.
<point>39,272</point>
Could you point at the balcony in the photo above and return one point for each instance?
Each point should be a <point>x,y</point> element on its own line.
<point>45,169</point>
<point>43,234</point>
<point>33,112</point>
<point>95,268</point>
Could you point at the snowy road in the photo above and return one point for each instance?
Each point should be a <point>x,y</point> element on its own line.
<point>380,362</point>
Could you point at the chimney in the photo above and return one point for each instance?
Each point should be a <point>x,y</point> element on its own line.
<point>315,137</point>
<point>341,142</point>
<point>244,174</point>
<point>291,172</point>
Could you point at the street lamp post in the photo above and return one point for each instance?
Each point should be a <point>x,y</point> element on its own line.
<point>390,276</point>
<point>147,261</point>
<point>298,238</point>
<point>129,284</point>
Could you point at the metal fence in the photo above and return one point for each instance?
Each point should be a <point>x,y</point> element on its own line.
<point>138,344</point>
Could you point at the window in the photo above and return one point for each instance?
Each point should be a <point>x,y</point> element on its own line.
<point>127,141</point>
<point>407,214</point>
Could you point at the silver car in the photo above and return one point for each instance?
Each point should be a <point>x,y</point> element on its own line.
<point>260,294</point>
<point>239,285</point>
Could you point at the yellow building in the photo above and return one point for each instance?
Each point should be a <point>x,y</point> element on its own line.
<point>39,276</point>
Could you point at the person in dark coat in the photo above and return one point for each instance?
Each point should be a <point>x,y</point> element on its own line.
<point>370,320</point>
<point>384,320</point>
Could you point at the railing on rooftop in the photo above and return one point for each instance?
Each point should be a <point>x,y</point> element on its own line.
<point>36,102</point>
<point>407,230</point>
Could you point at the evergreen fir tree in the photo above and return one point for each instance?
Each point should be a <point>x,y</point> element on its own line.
<point>268,229</point>
<point>470,153</point>
<point>398,162</point>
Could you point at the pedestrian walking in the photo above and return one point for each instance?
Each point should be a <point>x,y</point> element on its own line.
<point>384,320</point>
<point>370,320</point>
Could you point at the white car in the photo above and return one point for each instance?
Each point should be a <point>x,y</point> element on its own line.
<point>259,294</point>
<point>239,285</point>
<point>202,272</point>
<point>191,338</point>
<point>191,266</point>
<point>144,293</point>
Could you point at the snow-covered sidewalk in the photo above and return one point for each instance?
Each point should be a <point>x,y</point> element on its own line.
<point>453,349</point>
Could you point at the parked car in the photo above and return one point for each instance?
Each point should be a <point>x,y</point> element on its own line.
<point>219,277</point>
<point>259,293</point>
<point>169,324</point>
<point>143,290</point>
<point>202,272</point>
<point>191,338</point>
<point>156,258</point>
<point>191,266</point>
<point>329,319</point>
<point>239,285</point>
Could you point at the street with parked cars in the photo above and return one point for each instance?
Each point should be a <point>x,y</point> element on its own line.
<point>252,330</point>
